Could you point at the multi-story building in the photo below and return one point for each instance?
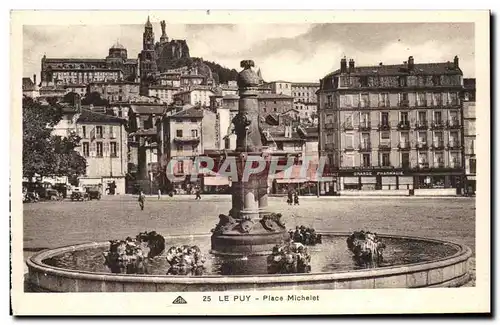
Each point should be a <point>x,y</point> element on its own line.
<point>274,103</point>
<point>281,87</point>
<point>104,146</point>
<point>66,71</point>
<point>469,118</point>
<point>116,91</point>
<point>392,126</point>
<point>164,93</point>
<point>170,78</point>
<point>305,99</point>
<point>196,96</point>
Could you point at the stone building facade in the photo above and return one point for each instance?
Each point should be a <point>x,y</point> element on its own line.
<point>305,99</point>
<point>469,114</point>
<point>115,91</point>
<point>392,126</point>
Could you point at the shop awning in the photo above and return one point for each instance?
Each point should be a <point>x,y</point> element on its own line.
<point>291,180</point>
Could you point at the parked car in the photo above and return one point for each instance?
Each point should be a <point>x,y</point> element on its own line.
<point>94,193</point>
<point>78,194</point>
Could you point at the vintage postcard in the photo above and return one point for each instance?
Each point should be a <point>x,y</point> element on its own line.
<point>250,163</point>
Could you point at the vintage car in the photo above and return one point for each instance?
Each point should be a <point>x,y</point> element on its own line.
<point>78,194</point>
<point>94,193</point>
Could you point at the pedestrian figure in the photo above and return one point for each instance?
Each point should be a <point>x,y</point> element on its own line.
<point>142,198</point>
<point>159,194</point>
<point>295,198</point>
<point>290,197</point>
<point>198,194</point>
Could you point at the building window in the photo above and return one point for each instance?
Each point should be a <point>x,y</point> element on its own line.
<point>366,160</point>
<point>438,139</point>
<point>384,118</point>
<point>85,149</point>
<point>180,167</point>
<point>436,99</point>
<point>364,101</point>
<point>384,100</point>
<point>438,160</point>
<point>178,133</point>
<point>114,152</point>
<point>454,160</point>
<point>422,160</point>
<point>385,159</point>
<point>194,133</point>
<point>404,118</point>
<point>349,141</point>
<point>422,138</point>
<point>195,148</point>
<point>421,102</point>
<point>438,118</point>
<point>405,160</point>
<point>365,140</point>
<point>422,117</point>
<point>275,109</point>
<point>99,132</point>
<point>472,165</point>
<point>454,141</point>
<point>99,149</point>
<point>403,99</point>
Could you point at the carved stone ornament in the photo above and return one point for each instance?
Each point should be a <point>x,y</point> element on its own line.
<point>248,78</point>
<point>241,122</point>
<point>246,226</point>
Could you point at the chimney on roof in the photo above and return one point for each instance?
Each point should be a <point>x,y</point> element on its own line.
<point>455,62</point>
<point>351,64</point>
<point>411,63</point>
<point>343,65</point>
<point>34,79</point>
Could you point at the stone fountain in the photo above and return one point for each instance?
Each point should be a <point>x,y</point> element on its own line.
<point>243,240</point>
<point>249,228</point>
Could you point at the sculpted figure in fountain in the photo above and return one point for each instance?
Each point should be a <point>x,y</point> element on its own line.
<point>289,258</point>
<point>305,235</point>
<point>131,256</point>
<point>185,260</point>
<point>366,247</point>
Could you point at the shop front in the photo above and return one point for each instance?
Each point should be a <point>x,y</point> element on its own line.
<point>399,179</point>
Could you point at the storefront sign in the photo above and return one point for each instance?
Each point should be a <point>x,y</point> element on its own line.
<point>381,173</point>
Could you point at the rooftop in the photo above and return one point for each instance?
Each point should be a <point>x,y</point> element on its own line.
<point>72,60</point>
<point>28,84</point>
<point>148,109</point>
<point>193,112</point>
<point>305,84</point>
<point>274,96</point>
<point>402,69</point>
<point>87,116</point>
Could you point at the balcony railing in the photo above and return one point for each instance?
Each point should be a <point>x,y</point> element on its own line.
<point>453,124</point>
<point>421,125</point>
<point>404,125</point>
<point>438,145</point>
<point>348,126</point>
<point>187,139</point>
<point>422,146</point>
<point>404,145</point>
<point>365,126</point>
<point>366,146</point>
<point>383,104</point>
<point>384,126</point>
<point>437,125</point>
<point>423,165</point>
<point>422,103</point>
<point>404,103</point>
<point>384,146</point>
<point>454,145</point>
<point>455,165</point>
<point>439,165</point>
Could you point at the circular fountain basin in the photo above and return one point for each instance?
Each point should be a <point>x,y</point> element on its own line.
<point>409,262</point>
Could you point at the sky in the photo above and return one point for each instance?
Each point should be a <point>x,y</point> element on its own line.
<point>292,52</point>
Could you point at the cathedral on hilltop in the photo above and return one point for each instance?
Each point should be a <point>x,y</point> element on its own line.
<point>155,57</point>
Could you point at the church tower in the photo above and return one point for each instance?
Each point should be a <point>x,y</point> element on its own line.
<point>147,57</point>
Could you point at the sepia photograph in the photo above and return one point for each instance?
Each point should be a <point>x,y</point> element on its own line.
<point>229,163</point>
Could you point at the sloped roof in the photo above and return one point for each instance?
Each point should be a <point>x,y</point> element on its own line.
<point>305,84</point>
<point>148,109</point>
<point>274,96</point>
<point>192,112</point>
<point>87,116</point>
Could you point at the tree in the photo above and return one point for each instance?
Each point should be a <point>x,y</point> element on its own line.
<point>43,153</point>
<point>94,98</point>
<point>70,98</point>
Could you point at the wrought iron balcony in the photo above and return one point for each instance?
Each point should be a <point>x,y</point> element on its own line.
<point>423,165</point>
<point>365,126</point>
<point>421,104</point>
<point>404,125</point>
<point>384,146</point>
<point>404,103</point>
<point>384,126</point>
<point>348,126</point>
<point>404,145</point>
<point>453,124</point>
<point>422,146</point>
<point>438,145</point>
<point>437,125</point>
<point>187,139</point>
<point>421,125</point>
<point>367,146</point>
<point>454,145</point>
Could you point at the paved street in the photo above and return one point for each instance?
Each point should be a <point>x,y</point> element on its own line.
<point>48,224</point>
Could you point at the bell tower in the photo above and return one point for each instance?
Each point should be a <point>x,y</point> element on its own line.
<point>147,58</point>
